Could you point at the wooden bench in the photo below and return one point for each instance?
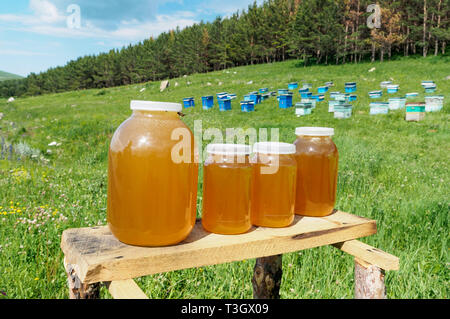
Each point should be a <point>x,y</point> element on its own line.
<point>94,256</point>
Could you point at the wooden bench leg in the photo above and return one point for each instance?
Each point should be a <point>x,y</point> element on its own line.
<point>369,281</point>
<point>266,279</point>
<point>78,290</point>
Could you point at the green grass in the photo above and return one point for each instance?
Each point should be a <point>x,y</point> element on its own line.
<point>8,76</point>
<point>390,170</point>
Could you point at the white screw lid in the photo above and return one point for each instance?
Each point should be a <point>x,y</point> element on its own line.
<point>228,149</point>
<point>138,105</point>
<point>274,148</point>
<point>314,131</point>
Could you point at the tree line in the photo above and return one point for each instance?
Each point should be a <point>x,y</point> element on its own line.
<point>313,31</point>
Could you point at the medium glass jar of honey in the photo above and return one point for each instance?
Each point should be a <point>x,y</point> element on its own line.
<point>317,171</point>
<point>227,174</point>
<point>152,195</point>
<point>273,184</point>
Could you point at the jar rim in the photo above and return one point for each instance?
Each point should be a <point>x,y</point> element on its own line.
<point>314,131</point>
<point>274,148</point>
<point>140,105</point>
<point>228,149</point>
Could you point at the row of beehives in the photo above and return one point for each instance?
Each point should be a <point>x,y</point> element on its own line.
<point>284,97</point>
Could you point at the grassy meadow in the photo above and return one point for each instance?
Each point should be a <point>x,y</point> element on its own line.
<point>390,170</point>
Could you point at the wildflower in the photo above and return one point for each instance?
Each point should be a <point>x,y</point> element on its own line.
<point>36,279</point>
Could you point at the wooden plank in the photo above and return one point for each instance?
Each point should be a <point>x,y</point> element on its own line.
<point>369,281</point>
<point>125,289</point>
<point>99,256</point>
<point>369,254</point>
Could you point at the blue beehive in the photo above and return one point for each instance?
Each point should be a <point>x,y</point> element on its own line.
<point>304,93</point>
<point>375,94</point>
<point>231,96</point>
<point>322,89</point>
<point>430,88</point>
<point>283,91</point>
<point>350,87</point>
<point>263,90</point>
<point>318,97</point>
<point>384,84</point>
<point>255,97</point>
<point>392,88</point>
<point>188,102</point>
<point>292,85</point>
<point>352,97</point>
<point>207,102</point>
<point>427,83</point>
<point>411,95</point>
<point>265,96</point>
<point>222,95</point>
<point>224,104</point>
<point>247,106</point>
<point>285,101</point>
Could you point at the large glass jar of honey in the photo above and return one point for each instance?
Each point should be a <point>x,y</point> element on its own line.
<point>317,170</point>
<point>152,194</point>
<point>273,184</point>
<point>227,174</point>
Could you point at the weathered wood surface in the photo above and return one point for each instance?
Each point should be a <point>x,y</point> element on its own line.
<point>266,279</point>
<point>369,254</point>
<point>369,281</point>
<point>125,289</point>
<point>99,256</point>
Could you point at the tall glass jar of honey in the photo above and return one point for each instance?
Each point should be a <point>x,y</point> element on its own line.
<point>273,184</point>
<point>317,171</point>
<point>152,194</point>
<point>227,174</point>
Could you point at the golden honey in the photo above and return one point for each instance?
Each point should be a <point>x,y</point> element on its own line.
<point>151,199</point>
<point>317,171</point>
<point>273,184</point>
<point>227,176</point>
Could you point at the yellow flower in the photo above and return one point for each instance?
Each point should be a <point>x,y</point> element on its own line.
<point>36,278</point>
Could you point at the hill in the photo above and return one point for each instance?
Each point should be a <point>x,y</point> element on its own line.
<point>8,76</point>
<point>390,170</point>
<point>318,32</point>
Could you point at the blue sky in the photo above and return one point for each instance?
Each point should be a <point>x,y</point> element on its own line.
<point>36,34</point>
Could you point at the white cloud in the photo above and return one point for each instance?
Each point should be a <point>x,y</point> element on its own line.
<point>47,20</point>
<point>46,11</point>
